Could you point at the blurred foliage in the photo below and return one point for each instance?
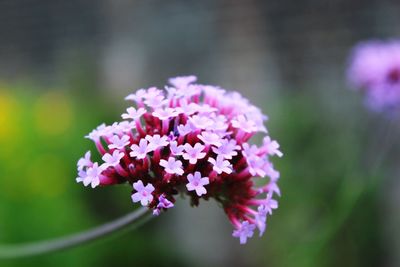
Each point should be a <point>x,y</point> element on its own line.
<point>320,222</point>
<point>41,137</point>
<point>328,212</point>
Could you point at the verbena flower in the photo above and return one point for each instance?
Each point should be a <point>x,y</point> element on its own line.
<point>375,69</point>
<point>194,139</point>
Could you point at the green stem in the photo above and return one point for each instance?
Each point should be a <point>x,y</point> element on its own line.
<point>133,219</point>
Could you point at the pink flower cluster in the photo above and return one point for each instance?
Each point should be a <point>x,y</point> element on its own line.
<point>189,138</point>
<point>375,69</point>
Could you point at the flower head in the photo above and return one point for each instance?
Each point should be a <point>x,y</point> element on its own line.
<point>375,69</point>
<point>193,139</point>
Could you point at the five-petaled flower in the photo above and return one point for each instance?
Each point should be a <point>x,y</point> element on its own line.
<point>244,230</point>
<point>84,162</point>
<point>112,160</point>
<point>118,142</point>
<point>192,154</point>
<point>172,166</point>
<point>133,114</point>
<point>91,176</point>
<point>220,165</point>
<point>139,151</point>
<point>193,139</point>
<point>156,141</point>
<point>143,194</point>
<point>197,183</point>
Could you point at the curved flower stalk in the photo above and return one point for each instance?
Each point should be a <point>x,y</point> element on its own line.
<point>375,69</point>
<point>193,139</point>
<point>132,220</point>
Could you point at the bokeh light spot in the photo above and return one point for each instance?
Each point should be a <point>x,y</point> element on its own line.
<point>53,113</point>
<point>9,111</point>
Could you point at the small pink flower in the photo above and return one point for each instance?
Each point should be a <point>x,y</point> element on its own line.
<point>133,114</point>
<point>185,129</point>
<point>188,109</point>
<point>270,204</point>
<point>143,194</point>
<point>138,96</point>
<point>81,176</point>
<point>156,141</point>
<point>176,149</point>
<point>118,142</point>
<point>197,183</point>
<point>163,203</point>
<point>272,147</point>
<point>112,160</point>
<point>206,110</point>
<point>165,114</point>
<point>155,100</point>
<point>93,175</point>
<point>209,138</point>
<point>183,81</point>
<point>172,166</point>
<point>227,149</point>
<point>126,126</point>
<point>249,151</point>
<point>271,172</point>
<point>244,124</point>
<point>245,230</point>
<point>192,154</point>
<point>221,165</point>
<point>101,130</point>
<point>256,166</point>
<point>84,162</point>
<point>261,218</point>
<point>201,122</point>
<point>219,125</point>
<point>139,151</point>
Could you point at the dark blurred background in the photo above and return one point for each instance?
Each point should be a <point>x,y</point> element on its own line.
<point>65,67</point>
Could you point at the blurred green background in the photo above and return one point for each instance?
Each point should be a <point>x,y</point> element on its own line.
<point>65,67</point>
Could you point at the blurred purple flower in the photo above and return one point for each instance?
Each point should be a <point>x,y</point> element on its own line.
<point>375,69</point>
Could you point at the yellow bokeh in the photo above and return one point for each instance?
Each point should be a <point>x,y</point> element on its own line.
<point>9,116</point>
<point>53,113</point>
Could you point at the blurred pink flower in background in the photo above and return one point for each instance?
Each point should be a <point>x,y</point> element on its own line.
<point>375,69</point>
